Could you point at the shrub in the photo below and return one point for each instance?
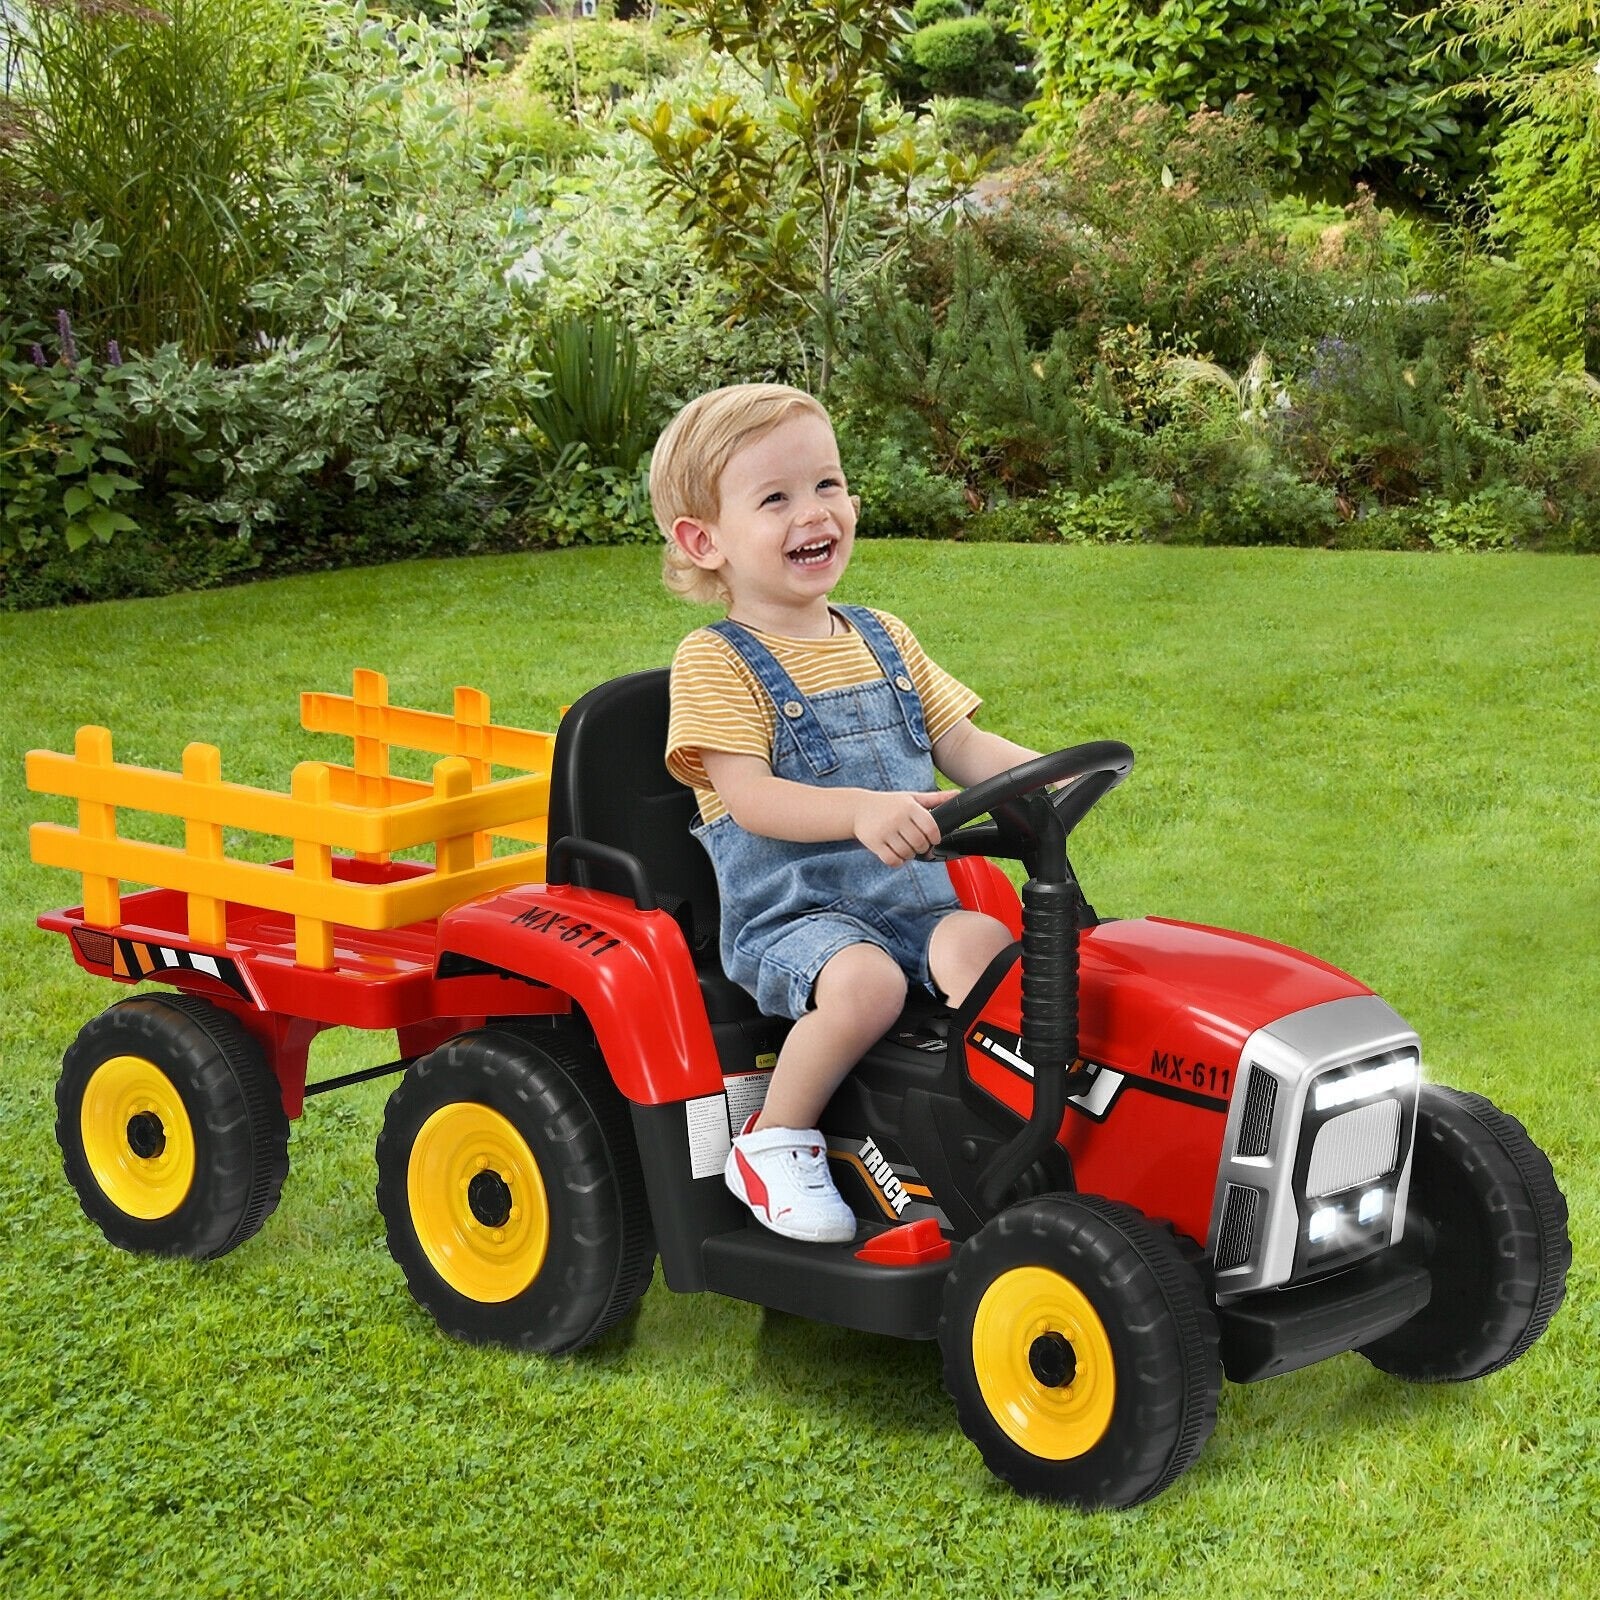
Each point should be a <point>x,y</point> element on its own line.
<point>925,13</point>
<point>62,426</point>
<point>158,130</point>
<point>1126,510</point>
<point>518,125</point>
<point>584,66</point>
<point>956,57</point>
<point>1343,88</point>
<point>976,125</point>
<point>1547,173</point>
<point>375,366</point>
<point>901,495</point>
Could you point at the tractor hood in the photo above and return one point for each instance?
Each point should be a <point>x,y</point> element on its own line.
<point>1153,988</point>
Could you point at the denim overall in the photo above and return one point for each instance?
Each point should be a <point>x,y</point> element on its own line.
<point>788,908</point>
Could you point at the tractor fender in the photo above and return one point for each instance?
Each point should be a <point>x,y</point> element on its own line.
<point>629,970</point>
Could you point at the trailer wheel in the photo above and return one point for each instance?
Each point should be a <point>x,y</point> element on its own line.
<point>1486,1217</point>
<point>171,1127</point>
<point>510,1186</point>
<point>1080,1350</point>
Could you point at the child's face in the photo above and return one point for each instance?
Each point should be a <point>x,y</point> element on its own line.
<point>785,522</point>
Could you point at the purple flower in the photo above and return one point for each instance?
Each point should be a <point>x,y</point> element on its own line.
<point>37,352</point>
<point>114,353</point>
<point>69,346</point>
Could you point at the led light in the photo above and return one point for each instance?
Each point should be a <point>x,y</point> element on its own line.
<point>1324,1222</point>
<point>1371,1207</point>
<point>1360,1085</point>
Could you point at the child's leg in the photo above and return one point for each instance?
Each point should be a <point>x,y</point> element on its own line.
<point>779,1165</point>
<point>963,944</point>
<point>858,995</point>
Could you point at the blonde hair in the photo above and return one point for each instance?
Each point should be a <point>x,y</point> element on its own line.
<point>689,458</point>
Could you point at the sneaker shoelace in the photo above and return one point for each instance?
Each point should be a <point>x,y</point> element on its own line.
<point>811,1170</point>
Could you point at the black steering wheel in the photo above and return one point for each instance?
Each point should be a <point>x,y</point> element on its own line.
<point>1085,772</point>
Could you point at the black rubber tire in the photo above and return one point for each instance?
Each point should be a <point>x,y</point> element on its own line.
<point>234,1109</point>
<point>1486,1217</point>
<point>575,1131</point>
<point>1157,1321</point>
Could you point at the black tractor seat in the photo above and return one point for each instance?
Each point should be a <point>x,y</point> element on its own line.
<point>609,785</point>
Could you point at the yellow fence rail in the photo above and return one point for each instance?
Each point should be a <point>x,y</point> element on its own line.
<point>362,810</point>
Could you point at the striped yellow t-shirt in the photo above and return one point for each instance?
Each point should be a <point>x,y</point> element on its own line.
<point>718,703</point>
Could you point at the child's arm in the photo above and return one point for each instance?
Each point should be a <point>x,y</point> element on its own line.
<point>968,754</point>
<point>894,826</point>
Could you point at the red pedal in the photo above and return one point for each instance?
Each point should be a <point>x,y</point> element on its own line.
<point>906,1246</point>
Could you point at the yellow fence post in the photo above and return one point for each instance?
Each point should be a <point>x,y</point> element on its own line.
<point>370,692</point>
<point>208,916</point>
<point>313,865</point>
<point>102,897</point>
<point>452,777</point>
<point>472,741</point>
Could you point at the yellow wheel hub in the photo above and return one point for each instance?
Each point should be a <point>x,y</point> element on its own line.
<point>137,1137</point>
<point>477,1202</point>
<point>1044,1363</point>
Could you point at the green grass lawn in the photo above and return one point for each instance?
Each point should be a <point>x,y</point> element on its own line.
<point>1393,761</point>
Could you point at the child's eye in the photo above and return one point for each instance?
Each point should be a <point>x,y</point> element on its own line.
<point>773,498</point>
<point>831,483</point>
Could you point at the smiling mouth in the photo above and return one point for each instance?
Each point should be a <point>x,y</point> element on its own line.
<point>813,555</point>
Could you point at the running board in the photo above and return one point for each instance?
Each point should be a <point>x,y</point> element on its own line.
<point>828,1282</point>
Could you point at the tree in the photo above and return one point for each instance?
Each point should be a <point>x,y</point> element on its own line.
<point>1345,89</point>
<point>797,207</point>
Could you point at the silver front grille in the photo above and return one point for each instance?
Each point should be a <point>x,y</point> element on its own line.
<point>1355,1148</point>
<point>1255,1132</point>
<point>1236,1237</point>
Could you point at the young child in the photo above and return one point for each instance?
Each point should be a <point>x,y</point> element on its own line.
<point>810,734</point>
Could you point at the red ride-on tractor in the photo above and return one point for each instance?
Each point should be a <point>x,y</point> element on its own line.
<point>1143,1154</point>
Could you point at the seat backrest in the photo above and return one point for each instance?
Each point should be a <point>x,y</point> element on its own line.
<point>609,783</point>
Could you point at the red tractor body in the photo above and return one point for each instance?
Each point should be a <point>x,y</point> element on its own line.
<point>1141,1153</point>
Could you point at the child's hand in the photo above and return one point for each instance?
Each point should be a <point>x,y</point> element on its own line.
<point>897,827</point>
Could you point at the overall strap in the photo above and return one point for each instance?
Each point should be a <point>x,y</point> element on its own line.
<point>793,711</point>
<point>893,666</point>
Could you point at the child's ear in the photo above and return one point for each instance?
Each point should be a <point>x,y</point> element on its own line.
<point>855,500</point>
<point>694,539</point>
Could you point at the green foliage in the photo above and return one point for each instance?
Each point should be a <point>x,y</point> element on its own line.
<point>378,369</point>
<point>575,501</point>
<point>798,208</point>
<point>599,246</point>
<point>1545,217</point>
<point>155,130</point>
<point>1343,88</point>
<point>583,65</point>
<point>518,126</point>
<point>595,394</point>
<point>976,125</point>
<point>964,384</point>
<point>1160,220</point>
<point>956,57</point>
<point>902,495</point>
<point>62,461</point>
<point>925,13</point>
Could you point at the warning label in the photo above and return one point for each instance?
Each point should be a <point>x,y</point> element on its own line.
<point>747,1093</point>
<point>709,1140</point>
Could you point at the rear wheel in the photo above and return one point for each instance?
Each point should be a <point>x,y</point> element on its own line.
<point>171,1127</point>
<point>510,1185</point>
<point>1486,1217</point>
<point>1081,1351</point>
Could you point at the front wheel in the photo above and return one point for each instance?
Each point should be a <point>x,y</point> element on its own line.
<point>1486,1218</point>
<point>1081,1351</point>
<point>509,1182</point>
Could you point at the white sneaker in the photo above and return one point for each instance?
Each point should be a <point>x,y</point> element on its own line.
<point>782,1175</point>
